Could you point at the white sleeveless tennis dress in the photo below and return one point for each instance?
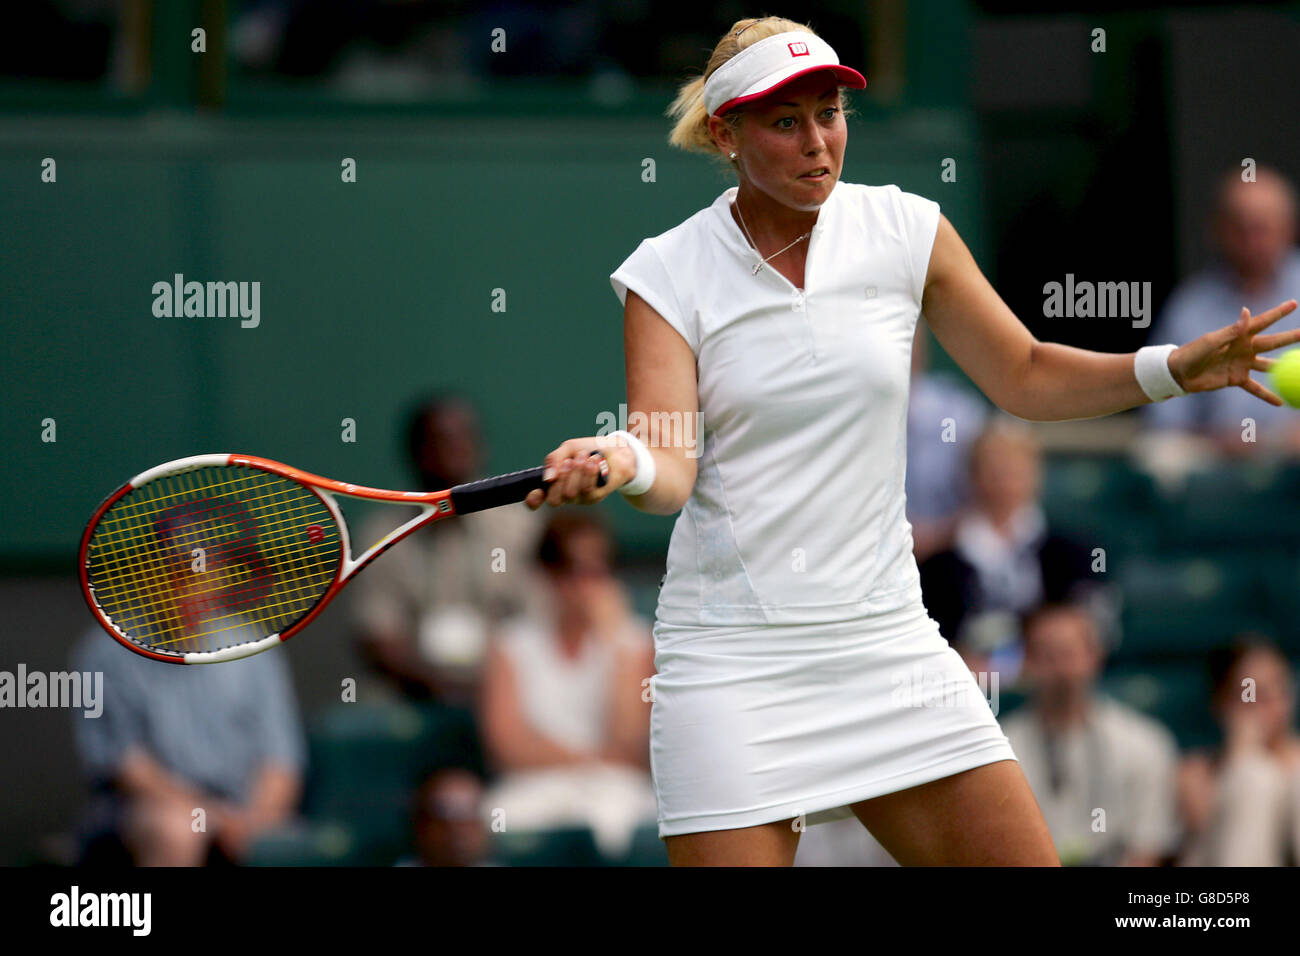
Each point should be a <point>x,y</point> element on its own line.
<point>798,670</point>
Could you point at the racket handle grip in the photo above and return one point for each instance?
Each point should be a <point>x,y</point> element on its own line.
<point>503,489</point>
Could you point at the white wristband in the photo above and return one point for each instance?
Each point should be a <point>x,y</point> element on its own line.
<point>645,465</point>
<point>1151,365</point>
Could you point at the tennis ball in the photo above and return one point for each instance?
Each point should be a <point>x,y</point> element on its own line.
<point>1286,377</point>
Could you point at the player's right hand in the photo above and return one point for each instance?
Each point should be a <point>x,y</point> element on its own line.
<point>575,470</point>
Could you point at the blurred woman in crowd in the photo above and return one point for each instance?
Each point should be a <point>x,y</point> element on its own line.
<point>1241,801</point>
<point>565,709</point>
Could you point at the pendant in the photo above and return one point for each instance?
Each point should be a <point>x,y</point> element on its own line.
<point>756,268</point>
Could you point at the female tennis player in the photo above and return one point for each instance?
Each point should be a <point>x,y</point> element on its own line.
<point>799,677</point>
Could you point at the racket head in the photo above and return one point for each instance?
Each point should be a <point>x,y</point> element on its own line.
<point>211,558</point>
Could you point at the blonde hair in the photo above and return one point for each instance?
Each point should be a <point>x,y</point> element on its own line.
<point>691,120</point>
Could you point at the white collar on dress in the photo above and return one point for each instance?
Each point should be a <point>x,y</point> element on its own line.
<point>730,230</point>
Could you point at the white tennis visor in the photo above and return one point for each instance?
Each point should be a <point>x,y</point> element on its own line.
<point>771,62</point>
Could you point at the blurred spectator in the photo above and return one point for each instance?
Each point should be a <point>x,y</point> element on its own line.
<point>1241,801</point>
<point>563,715</point>
<point>225,739</point>
<point>1004,560</point>
<point>449,824</point>
<point>943,417</point>
<point>420,47</point>
<point>1253,229</point>
<point>319,37</point>
<point>424,611</point>
<point>1086,755</point>
<point>430,47</point>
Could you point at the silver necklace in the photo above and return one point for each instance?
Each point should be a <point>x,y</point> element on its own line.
<point>761,262</point>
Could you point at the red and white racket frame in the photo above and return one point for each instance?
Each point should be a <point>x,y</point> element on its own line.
<point>433,505</point>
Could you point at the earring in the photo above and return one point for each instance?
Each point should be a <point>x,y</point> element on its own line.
<point>733,155</point>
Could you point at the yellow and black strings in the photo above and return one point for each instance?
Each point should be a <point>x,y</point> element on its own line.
<point>155,560</point>
<point>212,557</point>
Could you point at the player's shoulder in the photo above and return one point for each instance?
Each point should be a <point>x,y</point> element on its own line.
<point>886,192</point>
<point>886,207</point>
<point>884,196</point>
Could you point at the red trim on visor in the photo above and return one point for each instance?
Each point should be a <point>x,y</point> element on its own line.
<point>850,77</point>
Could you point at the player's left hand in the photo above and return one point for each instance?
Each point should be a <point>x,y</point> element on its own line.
<point>1228,355</point>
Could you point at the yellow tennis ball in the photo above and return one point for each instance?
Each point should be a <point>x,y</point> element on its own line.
<point>1286,377</point>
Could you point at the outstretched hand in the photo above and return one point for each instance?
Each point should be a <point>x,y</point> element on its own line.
<point>1228,355</point>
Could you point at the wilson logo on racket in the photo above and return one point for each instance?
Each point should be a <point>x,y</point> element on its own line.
<point>274,545</point>
<point>235,574</point>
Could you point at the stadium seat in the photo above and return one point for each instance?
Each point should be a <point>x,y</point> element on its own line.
<point>1280,573</point>
<point>1175,694</point>
<point>567,846</point>
<point>365,761</point>
<point>647,849</point>
<point>306,843</point>
<point>1246,503</point>
<point>1101,502</point>
<point>1185,605</point>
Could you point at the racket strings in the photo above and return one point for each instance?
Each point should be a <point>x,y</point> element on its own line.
<point>273,516</point>
<point>228,585</point>
<point>212,557</point>
<point>225,587</point>
<point>276,517</point>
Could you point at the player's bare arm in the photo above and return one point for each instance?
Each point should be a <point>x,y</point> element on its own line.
<point>1048,381</point>
<point>661,380</point>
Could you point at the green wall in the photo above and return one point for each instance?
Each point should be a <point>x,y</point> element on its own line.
<point>371,292</point>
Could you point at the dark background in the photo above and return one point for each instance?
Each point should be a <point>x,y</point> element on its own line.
<point>520,171</point>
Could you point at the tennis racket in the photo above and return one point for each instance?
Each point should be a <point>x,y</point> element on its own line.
<point>216,557</point>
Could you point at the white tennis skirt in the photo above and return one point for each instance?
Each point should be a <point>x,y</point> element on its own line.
<point>753,724</point>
